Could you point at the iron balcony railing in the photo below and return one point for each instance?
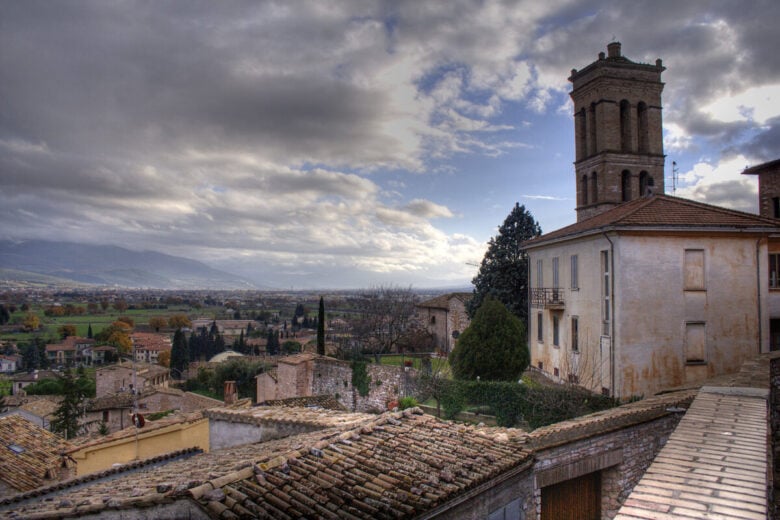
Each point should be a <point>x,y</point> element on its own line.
<point>547,297</point>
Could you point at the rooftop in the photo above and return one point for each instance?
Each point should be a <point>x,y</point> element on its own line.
<point>661,212</point>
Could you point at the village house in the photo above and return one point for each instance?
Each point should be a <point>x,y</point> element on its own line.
<point>645,291</point>
<point>128,376</point>
<point>148,346</point>
<point>69,352</point>
<point>8,364</point>
<point>20,381</point>
<point>445,317</point>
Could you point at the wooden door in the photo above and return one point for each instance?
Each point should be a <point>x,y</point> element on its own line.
<point>575,499</point>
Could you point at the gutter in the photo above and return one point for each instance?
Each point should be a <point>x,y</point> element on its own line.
<point>758,293</point>
<point>612,320</point>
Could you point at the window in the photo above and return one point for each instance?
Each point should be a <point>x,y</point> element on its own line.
<point>575,276</point>
<point>693,270</point>
<point>695,343</point>
<point>595,187</point>
<point>584,183</point>
<point>555,272</point>
<point>776,207</point>
<point>644,128</point>
<point>539,278</point>
<point>605,291</point>
<point>625,126</point>
<point>433,320</point>
<point>625,184</point>
<point>556,336</point>
<point>774,270</point>
<point>539,322</point>
<point>575,334</point>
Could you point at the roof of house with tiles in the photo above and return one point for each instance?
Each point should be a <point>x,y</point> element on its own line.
<point>610,420</point>
<point>443,301</point>
<point>661,212</point>
<point>29,454</point>
<point>399,464</point>
<point>327,402</point>
<point>260,415</point>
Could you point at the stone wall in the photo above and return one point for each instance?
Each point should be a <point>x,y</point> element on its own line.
<point>386,383</point>
<point>225,434</point>
<point>622,456</point>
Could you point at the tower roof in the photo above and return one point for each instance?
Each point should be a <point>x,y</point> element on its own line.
<point>613,59</point>
<point>771,166</point>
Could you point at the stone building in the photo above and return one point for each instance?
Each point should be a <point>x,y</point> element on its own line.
<point>645,292</point>
<point>127,376</point>
<point>618,133</point>
<point>445,317</point>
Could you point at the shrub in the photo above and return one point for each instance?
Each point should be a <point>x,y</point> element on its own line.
<point>407,402</point>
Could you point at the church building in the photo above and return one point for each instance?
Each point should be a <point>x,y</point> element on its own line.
<point>645,292</point>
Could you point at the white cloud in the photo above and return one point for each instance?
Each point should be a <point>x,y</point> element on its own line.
<point>757,104</point>
<point>721,184</point>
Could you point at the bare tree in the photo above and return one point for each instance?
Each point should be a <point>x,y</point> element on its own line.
<point>384,315</point>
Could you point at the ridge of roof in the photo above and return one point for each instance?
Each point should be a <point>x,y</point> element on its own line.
<point>661,211</point>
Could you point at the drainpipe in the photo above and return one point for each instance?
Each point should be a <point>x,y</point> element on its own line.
<point>758,292</point>
<point>612,316</point>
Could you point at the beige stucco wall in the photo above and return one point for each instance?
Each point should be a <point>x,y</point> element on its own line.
<point>149,444</point>
<point>651,310</point>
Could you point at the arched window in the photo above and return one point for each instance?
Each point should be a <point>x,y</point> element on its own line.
<point>625,185</point>
<point>644,137</point>
<point>592,131</point>
<point>625,126</point>
<point>594,187</point>
<point>584,190</point>
<point>644,182</point>
<point>582,135</point>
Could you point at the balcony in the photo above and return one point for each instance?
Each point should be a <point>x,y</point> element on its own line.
<point>547,298</point>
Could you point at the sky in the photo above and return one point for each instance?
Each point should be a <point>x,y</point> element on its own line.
<point>350,144</point>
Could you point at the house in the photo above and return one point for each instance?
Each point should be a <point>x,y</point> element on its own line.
<point>147,346</point>
<point>154,438</point>
<point>8,364</point>
<point>38,409</point>
<point>445,317</point>
<point>126,376</point>
<point>31,456</point>
<point>99,355</point>
<point>22,380</point>
<point>69,352</point>
<point>645,291</point>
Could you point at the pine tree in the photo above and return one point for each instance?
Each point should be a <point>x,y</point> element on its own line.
<point>321,328</point>
<point>70,410</point>
<point>503,273</point>
<point>179,352</point>
<point>89,331</point>
<point>493,346</point>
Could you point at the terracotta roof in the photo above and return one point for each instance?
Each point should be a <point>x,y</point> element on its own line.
<point>193,401</point>
<point>761,168</point>
<point>151,341</point>
<point>443,301</point>
<point>609,420</point>
<point>29,454</point>
<point>34,376</point>
<point>261,415</point>
<point>60,347</point>
<point>662,212</point>
<point>298,358</point>
<point>400,465</point>
<point>327,402</point>
<point>41,405</point>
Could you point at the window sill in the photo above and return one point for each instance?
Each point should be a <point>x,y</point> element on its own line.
<point>694,290</point>
<point>695,363</point>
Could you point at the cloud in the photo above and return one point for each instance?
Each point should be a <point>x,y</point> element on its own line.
<point>721,184</point>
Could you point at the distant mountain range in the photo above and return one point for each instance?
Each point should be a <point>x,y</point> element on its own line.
<point>61,263</point>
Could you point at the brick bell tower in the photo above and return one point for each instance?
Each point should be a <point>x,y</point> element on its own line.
<point>617,131</point>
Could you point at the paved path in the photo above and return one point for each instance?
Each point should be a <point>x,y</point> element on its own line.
<point>714,465</point>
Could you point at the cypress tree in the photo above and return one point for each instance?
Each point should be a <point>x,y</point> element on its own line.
<point>321,328</point>
<point>179,352</point>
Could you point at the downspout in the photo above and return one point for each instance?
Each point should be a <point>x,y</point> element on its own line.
<point>758,292</point>
<point>612,316</point>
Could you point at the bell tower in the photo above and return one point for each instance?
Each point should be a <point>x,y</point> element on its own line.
<point>617,131</point>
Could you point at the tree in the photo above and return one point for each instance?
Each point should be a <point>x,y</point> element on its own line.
<point>164,358</point>
<point>120,305</point>
<point>321,328</point>
<point>66,330</point>
<point>385,315</point>
<point>179,321</point>
<point>503,272</point>
<point>67,415</point>
<point>157,322</point>
<point>179,352</point>
<point>31,322</point>
<point>492,347</point>
<point>89,331</point>
<point>5,315</point>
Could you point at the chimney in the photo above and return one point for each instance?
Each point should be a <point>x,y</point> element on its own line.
<point>613,49</point>
<point>231,393</point>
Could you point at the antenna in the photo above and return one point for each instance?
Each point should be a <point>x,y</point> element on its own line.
<point>675,170</point>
